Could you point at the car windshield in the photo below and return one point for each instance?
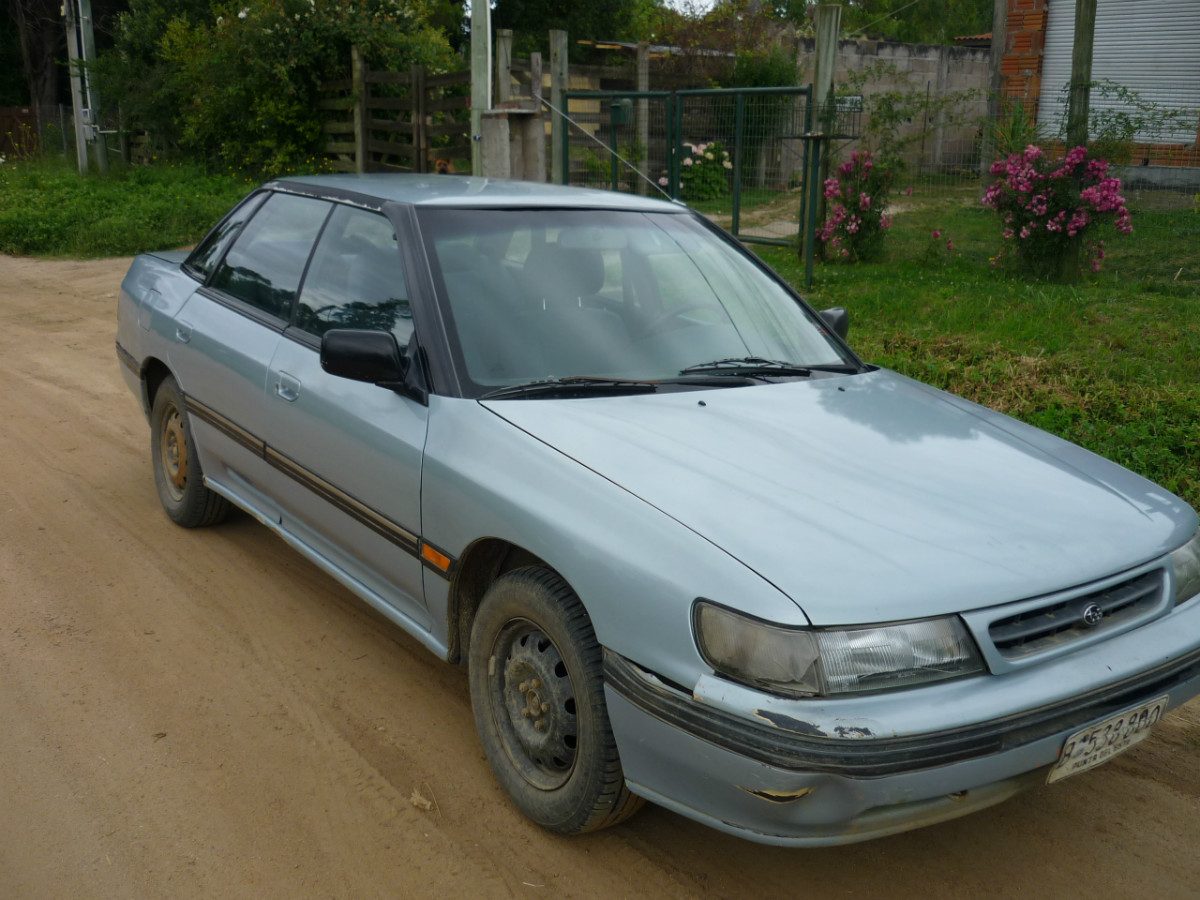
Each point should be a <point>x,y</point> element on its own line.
<point>546,294</point>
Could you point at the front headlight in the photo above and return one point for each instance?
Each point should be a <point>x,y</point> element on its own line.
<point>1186,563</point>
<point>808,661</point>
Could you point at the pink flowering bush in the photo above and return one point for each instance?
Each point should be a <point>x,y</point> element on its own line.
<point>855,222</point>
<point>1052,210</point>
<point>705,170</point>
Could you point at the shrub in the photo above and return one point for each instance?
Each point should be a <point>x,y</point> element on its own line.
<point>704,171</point>
<point>1052,211</point>
<point>855,221</point>
<point>46,208</point>
<point>239,84</point>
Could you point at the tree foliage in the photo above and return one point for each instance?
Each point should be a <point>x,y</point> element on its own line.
<point>238,82</point>
<point>923,22</point>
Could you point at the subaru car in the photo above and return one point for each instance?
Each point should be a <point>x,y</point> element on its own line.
<point>689,547</point>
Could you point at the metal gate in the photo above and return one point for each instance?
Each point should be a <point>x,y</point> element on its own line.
<point>726,152</point>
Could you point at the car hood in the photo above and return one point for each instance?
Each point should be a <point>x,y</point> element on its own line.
<point>871,497</point>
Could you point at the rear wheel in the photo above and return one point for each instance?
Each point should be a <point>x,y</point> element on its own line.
<point>177,473</point>
<point>538,696</point>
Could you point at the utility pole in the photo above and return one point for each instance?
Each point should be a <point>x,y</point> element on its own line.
<point>1081,73</point>
<point>999,45</point>
<point>481,77</point>
<point>87,39</point>
<point>81,135</point>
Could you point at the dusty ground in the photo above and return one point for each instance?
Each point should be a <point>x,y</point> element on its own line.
<point>205,713</point>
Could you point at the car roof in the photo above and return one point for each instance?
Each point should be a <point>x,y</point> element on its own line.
<point>459,190</point>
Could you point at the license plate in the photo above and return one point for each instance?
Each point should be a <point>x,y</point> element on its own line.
<point>1101,742</point>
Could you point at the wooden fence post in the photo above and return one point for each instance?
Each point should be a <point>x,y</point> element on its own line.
<point>418,120</point>
<point>503,65</point>
<point>358,86</point>
<point>559,81</point>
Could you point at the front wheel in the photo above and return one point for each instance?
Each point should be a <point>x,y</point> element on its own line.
<point>538,695</point>
<point>177,473</point>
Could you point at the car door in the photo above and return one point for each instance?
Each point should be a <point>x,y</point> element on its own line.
<point>226,334</point>
<point>353,450</point>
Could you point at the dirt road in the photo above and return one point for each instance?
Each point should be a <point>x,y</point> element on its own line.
<point>205,713</point>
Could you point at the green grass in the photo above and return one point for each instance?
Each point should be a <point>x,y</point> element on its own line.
<point>47,209</point>
<point>1112,363</point>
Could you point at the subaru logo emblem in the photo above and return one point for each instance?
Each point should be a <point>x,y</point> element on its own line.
<point>1092,615</point>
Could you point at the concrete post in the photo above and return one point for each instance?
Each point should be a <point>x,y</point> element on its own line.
<point>496,159</point>
<point>999,45</point>
<point>829,24</point>
<point>939,123</point>
<point>87,39</point>
<point>558,86</point>
<point>1081,73</point>
<point>643,116</point>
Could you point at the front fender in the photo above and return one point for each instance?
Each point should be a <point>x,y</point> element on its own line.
<point>636,569</point>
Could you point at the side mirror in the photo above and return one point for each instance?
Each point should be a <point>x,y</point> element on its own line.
<point>360,355</point>
<point>838,320</point>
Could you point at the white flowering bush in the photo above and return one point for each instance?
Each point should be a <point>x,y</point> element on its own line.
<point>704,171</point>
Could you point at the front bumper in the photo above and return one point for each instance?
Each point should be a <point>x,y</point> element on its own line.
<point>776,779</point>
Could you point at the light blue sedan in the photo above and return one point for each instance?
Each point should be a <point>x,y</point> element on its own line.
<point>690,548</point>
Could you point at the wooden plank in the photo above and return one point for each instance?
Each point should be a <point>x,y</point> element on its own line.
<point>339,146</point>
<point>342,84</point>
<point>387,78</point>
<point>338,127</point>
<point>384,125</point>
<point>446,104</point>
<point>450,78</point>
<point>336,103</point>
<point>391,148</point>
<point>341,165</point>
<point>389,103</point>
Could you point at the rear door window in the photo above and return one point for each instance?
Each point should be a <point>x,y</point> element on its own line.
<point>264,266</point>
<point>356,278</point>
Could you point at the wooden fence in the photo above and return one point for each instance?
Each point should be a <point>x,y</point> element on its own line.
<point>397,121</point>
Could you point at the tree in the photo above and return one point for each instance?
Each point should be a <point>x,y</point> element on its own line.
<point>923,22</point>
<point>595,19</point>
<point>42,41</point>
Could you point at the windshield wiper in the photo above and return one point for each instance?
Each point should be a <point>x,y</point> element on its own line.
<point>748,365</point>
<point>571,385</point>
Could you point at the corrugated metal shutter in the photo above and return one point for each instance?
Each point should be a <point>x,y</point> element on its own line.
<point>1149,46</point>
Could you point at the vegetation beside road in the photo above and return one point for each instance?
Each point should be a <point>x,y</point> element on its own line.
<point>1112,363</point>
<point>47,209</point>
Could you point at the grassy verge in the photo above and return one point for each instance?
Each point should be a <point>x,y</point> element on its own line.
<point>1112,364</point>
<point>47,209</point>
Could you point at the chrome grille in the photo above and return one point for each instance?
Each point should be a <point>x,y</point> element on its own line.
<point>1056,624</point>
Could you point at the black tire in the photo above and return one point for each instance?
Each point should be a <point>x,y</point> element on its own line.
<point>531,624</point>
<point>177,472</point>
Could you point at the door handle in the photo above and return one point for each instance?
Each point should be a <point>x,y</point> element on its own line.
<point>287,387</point>
<point>183,332</point>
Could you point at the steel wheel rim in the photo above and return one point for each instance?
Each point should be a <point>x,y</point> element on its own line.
<point>172,452</point>
<point>532,698</point>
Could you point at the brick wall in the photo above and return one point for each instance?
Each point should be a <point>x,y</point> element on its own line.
<point>1021,64</point>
